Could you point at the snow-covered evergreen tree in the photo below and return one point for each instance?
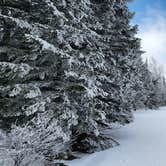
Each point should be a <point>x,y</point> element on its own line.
<point>152,89</point>
<point>157,88</point>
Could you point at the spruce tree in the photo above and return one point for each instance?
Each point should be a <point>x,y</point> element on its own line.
<point>68,69</point>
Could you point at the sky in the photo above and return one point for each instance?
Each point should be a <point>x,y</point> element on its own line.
<point>150,15</point>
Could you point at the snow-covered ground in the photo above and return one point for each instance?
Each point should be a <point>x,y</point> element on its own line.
<point>143,143</point>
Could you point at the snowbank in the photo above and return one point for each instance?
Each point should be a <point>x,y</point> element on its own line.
<point>142,143</point>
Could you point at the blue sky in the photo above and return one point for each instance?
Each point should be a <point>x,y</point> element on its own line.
<point>141,7</point>
<point>151,18</point>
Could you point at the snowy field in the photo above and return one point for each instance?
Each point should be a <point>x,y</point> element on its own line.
<point>143,143</point>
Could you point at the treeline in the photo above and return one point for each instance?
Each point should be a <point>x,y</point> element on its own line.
<point>68,70</point>
<point>152,92</point>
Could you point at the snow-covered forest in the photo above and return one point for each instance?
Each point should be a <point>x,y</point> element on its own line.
<point>69,70</point>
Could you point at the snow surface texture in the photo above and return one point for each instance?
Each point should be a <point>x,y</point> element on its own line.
<point>142,143</point>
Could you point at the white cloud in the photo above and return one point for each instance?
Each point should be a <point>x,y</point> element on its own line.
<point>153,35</point>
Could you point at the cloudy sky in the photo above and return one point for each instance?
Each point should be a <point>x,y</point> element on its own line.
<point>151,18</point>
